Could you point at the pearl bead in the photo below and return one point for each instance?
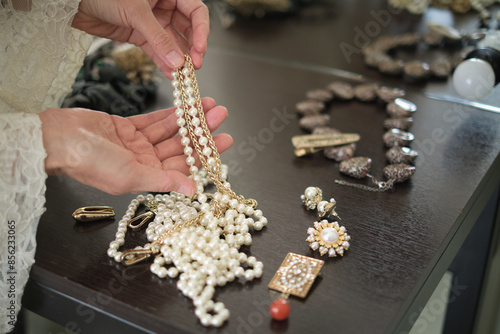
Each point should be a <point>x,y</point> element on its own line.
<point>329,234</point>
<point>180,122</point>
<point>203,141</point>
<point>207,151</point>
<point>238,272</point>
<point>195,121</point>
<point>175,83</point>
<point>198,131</point>
<point>185,71</point>
<point>187,81</point>
<point>190,160</point>
<point>249,275</point>
<point>310,192</point>
<point>185,141</point>
<point>193,169</point>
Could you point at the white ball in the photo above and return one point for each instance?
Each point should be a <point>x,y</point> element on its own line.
<point>474,78</point>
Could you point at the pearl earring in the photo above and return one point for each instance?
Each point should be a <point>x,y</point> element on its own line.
<point>328,238</point>
<point>313,199</point>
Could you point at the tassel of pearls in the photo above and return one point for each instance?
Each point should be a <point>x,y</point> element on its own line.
<point>198,240</point>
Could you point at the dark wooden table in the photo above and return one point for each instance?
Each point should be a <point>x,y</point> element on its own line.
<point>402,240</point>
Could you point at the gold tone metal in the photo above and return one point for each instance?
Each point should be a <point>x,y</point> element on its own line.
<point>307,144</point>
<point>296,275</point>
<point>329,210</point>
<point>133,256</point>
<point>93,213</point>
<point>142,218</point>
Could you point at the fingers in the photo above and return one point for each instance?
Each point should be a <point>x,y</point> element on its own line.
<point>157,180</point>
<point>196,28</point>
<point>222,141</point>
<point>198,13</point>
<point>143,121</point>
<point>157,130</point>
<point>165,42</point>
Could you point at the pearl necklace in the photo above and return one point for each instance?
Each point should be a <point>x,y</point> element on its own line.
<point>197,240</point>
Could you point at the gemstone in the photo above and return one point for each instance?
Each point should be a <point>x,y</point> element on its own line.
<point>322,95</point>
<point>309,107</point>
<point>340,153</point>
<point>401,123</point>
<point>329,235</point>
<point>391,67</point>
<point>401,108</point>
<point>357,167</point>
<point>417,69</point>
<point>311,122</point>
<point>441,68</point>
<point>374,59</point>
<point>280,309</point>
<point>366,92</point>
<point>396,137</point>
<point>341,90</point>
<point>399,172</point>
<point>398,154</point>
<point>388,94</point>
<point>321,130</point>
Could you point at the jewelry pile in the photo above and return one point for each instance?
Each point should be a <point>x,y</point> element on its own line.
<point>197,240</point>
<point>399,155</point>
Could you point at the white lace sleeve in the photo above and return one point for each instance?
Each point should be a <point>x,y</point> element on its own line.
<point>40,55</point>
<point>22,180</point>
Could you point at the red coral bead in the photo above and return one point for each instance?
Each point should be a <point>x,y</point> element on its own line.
<point>280,309</point>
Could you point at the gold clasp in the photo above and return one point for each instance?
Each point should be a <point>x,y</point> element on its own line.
<point>143,219</point>
<point>133,256</point>
<point>93,213</point>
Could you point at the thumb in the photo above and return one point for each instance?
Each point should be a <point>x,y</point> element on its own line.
<point>157,180</point>
<point>165,42</point>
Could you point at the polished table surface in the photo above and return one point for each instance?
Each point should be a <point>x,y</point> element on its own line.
<point>402,240</point>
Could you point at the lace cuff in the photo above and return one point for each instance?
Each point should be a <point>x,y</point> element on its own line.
<point>22,190</point>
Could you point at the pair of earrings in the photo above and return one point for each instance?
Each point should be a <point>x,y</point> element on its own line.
<point>327,237</point>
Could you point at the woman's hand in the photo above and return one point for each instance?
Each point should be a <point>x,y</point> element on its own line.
<point>149,24</point>
<point>120,155</point>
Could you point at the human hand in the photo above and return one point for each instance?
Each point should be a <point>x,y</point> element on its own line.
<point>120,155</point>
<point>148,24</point>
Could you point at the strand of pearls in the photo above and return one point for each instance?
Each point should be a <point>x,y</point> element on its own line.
<point>198,240</point>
